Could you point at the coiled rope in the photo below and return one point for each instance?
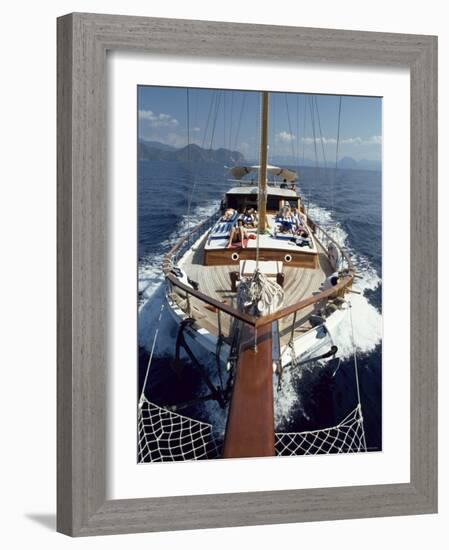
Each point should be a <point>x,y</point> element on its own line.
<point>257,295</point>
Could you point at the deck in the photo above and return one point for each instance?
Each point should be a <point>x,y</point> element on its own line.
<point>215,281</point>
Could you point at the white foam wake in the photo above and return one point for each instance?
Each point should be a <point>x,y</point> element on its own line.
<point>151,287</point>
<point>365,331</point>
<point>366,319</point>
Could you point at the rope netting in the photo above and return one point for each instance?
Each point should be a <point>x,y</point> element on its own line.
<point>346,437</point>
<point>167,436</point>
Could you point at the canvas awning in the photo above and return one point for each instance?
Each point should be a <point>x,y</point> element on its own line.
<point>239,172</point>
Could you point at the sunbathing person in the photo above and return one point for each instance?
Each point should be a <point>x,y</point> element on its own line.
<point>302,237</point>
<point>285,211</point>
<point>228,215</point>
<point>297,218</point>
<point>249,219</point>
<point>239,235</point>
<point>287,221</point>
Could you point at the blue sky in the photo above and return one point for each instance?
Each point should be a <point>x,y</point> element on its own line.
<point>301,125</point>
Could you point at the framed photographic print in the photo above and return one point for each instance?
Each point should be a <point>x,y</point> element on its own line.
<point>279,260</point>
<point>247,274</point>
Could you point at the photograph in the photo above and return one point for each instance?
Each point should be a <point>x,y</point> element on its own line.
<point>259,274</point>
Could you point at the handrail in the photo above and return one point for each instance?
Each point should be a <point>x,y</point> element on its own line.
<point>261,321</point>
<point>343,253</point>
<point>178,245</point>
<point>249,319</point>
<point>166,267</point>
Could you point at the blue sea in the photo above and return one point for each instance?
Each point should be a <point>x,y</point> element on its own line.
<point>348,204</point>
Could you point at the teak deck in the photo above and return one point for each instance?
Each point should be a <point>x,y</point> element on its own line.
<point>250,428</point>
<point>215,281</point>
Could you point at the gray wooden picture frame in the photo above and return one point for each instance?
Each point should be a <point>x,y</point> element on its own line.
<point>83,40</point>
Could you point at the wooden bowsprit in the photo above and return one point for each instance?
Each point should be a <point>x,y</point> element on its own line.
<point>250,427</point>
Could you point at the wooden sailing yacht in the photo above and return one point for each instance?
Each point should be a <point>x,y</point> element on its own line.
<point>261,295</point>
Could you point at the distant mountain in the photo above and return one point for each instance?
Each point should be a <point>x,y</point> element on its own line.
<point>347,163</point>
<point>158,145</point>
<point>365,164</point>
<point>155,150</point>
<point>152,151</point>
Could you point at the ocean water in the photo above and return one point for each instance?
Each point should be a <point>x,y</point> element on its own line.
<point>174,196</point>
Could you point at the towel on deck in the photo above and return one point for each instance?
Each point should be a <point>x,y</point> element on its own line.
<point>239,244</point>
<point>221,229</point>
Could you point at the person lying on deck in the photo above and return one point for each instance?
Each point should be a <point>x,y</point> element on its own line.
<point>228,215</point>
<point>297,218</point>
<point>249,218</point>
<point>239,235</point>
<point>302,237</point>
<point>285,219</point>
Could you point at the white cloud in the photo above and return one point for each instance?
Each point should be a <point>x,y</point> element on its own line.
<point>325,140</point>
<point>285,137</point>
<point>352,141</point>
<point>373,140</point>
<point>162,120</point>
<point>376,139</point>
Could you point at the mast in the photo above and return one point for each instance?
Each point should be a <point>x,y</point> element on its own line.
<point>262,207</point>
<point>250,426</point>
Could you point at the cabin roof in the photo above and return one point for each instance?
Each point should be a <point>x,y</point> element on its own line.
<point>253,190</point>
<point>240,172</point>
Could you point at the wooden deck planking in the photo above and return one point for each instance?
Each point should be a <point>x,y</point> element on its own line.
<point>250,427</point>
<point>215,281</point>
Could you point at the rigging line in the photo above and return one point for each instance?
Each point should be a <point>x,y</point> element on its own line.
<point>289,125</point>
<point>297,128</point>
<point>240,120</point>
<point>336,154</point>
<point>312,118</point>
<point>230,119</point>
<point>188,125</point>
<point>224,119</point>
<point>217,109</point>
<point>156,334</point>
<point>195,113</point>
<point>304,129</point>
<point>224,131</point>
<point>189,202</point>
<point>212,101</point>
<point>325,171</point>
<point>190,198</point>
<point>356,370</point>
<point>321,135</point>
